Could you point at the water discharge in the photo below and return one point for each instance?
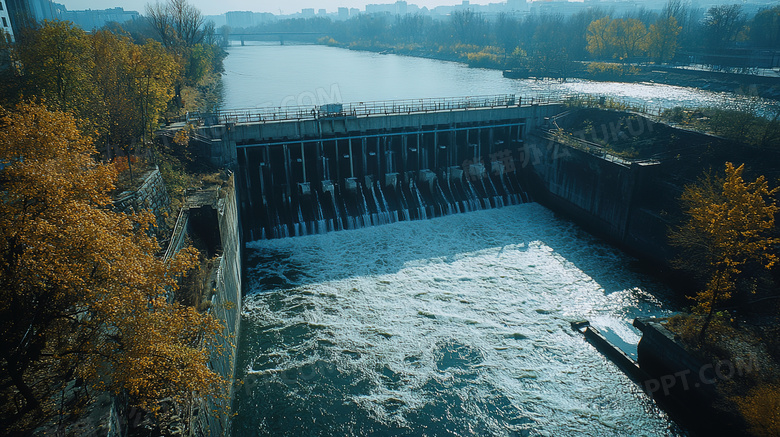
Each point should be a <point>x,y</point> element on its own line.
<point>457,325</point>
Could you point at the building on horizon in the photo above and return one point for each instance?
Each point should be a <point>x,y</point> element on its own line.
<point>380,8</point>
<point>5,20</point>
<point>401,8</point>
<point>21,13</point>
<point>96,18</point>
<point>235,19</point>
<point>516,5</point>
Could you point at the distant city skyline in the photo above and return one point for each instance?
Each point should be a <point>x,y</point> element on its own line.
<point>210,7</point>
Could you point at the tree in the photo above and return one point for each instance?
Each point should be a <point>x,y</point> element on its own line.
<point>119,122</point>
<point>177,23</point>
<point>469,27</point>
<point>550,56</point>
<point>599,43</point>
<point>576,31</point>
<point>156,74</point>
<point>628,37</point>
<point>182,29</point>
<point>729,224</point>
<point>411,28</point>
<point>114,87</point>
<point>760,410</point>
<point>507,33</point>
<point>80,286</point>
<point>56,64</point>
<point>765,28</point>
<point>674,9</point>
<point>662,39</point>
<point>722,25</point>
<point>135,84</point>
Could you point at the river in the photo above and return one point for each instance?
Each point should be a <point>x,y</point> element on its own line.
<point>272,75</point>
<point>453,326</point>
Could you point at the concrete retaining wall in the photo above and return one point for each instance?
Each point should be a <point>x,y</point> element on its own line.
<point>604,195</point>
<point>684,385</point>
<point>151,195</point>
<point>217,209</point>
<point>226,304</point>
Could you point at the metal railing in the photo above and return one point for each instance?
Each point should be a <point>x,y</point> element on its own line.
<point>410,106</point>
<point>364,109</point>
<point>590,147</point>
<point>179,235</point>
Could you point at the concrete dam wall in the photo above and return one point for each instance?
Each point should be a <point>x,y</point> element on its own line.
<point>607,196</point>
<point>353,167</point>
<point>211,216</point>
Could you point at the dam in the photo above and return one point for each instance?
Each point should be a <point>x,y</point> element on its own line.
<point>399,177</point>
<point>456,325</point>
<point>312,170</point>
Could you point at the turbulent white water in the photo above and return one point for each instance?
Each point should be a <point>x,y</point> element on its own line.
<point>453,326</point>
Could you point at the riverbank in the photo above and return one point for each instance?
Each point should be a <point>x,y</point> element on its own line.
<point>621,176</point>
<point>729,382</point>
<point>761,86</point>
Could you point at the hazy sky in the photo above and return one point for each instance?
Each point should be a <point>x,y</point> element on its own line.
<point>215,7</point>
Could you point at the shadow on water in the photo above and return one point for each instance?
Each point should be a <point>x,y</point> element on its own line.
<point>274,265</point>
<point>414,373</point>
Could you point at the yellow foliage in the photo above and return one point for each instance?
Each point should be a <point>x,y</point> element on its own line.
<point>662,39</point>
<point>182,136</point>
<point>114,87</point>
<point>729,224</point>
<point>605,68</point>
<point>482,59</point>
<point>58,62</point>
<point>619,38</point>
<point>598,39</point>
<point>327,40</point>
<point>761,410</point>
<point>85,280</point>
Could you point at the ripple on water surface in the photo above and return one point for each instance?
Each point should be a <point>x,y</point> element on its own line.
<point>452,326</point>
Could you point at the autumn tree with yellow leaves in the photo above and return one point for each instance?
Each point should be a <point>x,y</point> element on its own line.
<point>116,88</point>
<point>729,224</point>
<point>662,39</point>
<point>81,287</point>
<point>627,39</point>
<point>135,83</point>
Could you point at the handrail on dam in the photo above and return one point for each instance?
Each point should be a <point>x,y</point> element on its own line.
<point>590,147</point>
<point>364,109</point>
<point>409,106</point>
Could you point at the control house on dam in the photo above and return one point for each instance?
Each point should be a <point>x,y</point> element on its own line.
<point>346,166</point>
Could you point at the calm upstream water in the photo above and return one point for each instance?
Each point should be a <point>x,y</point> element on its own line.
<point>455,326</point>
<point>272,75</point>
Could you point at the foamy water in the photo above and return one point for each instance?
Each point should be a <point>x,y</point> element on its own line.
<point>453,326</point>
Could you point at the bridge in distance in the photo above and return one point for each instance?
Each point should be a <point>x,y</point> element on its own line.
<point>266,36</point>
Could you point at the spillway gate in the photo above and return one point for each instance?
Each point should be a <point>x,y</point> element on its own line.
<point>335,167</point>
